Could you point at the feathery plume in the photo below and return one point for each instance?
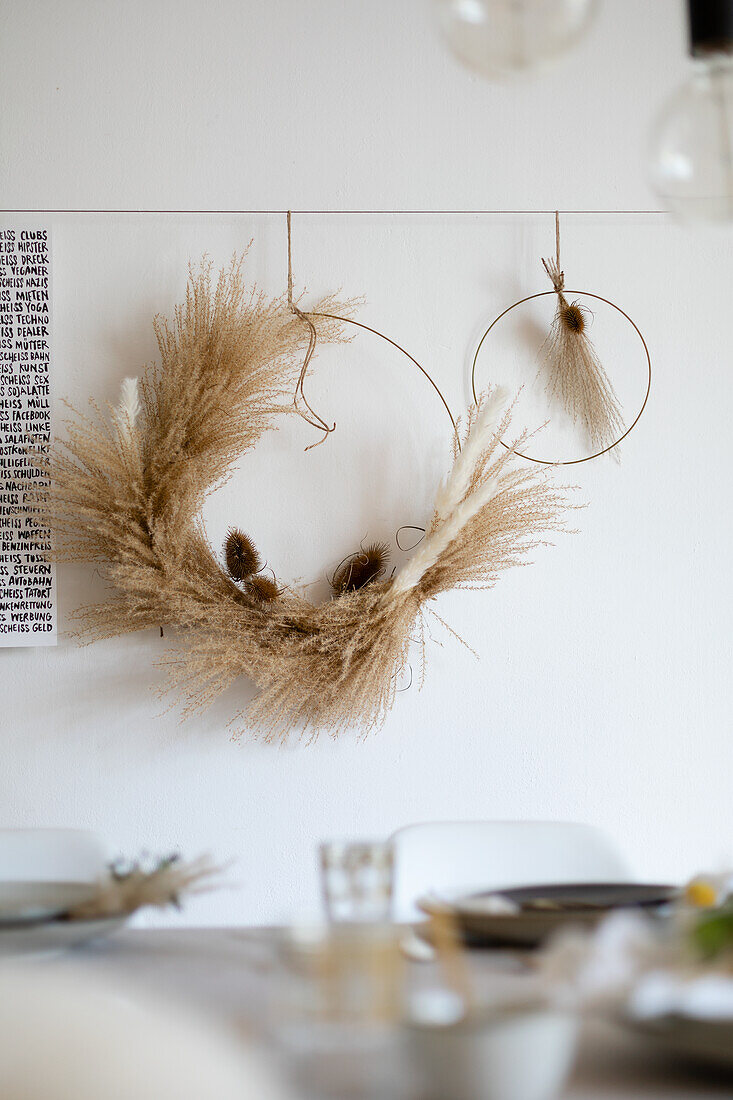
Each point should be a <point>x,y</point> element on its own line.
<point>575,374</point>
<point>128,409</point>
<point>479,439</point>
<point>440,538</point>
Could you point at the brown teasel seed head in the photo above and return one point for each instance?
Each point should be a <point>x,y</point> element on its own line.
<point>572,317</point>
<point>263,589</point>
<point>241,556</point>
<point>360,569</point>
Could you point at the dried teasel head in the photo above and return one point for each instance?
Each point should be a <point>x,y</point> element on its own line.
<point>241,555</point>
<point>263,589</point>
<point>360,569</point>
<point>572,317</point>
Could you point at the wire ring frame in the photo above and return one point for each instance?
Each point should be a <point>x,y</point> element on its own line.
<point>315,420</point>
<point>598,298</point>
<point>388,340</point>
<point>327,430</point>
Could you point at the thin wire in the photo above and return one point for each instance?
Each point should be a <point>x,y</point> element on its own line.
<point>410,683</point>
<point>311,417</point>
<point>408,527</point>
<point>330,213</point>
<point>318,421</point>
<point>359,324</point>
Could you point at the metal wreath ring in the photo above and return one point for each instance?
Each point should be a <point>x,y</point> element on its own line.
<point>637,418</point>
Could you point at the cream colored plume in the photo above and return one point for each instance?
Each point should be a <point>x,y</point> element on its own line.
<point>440,539</point>
<point>458,482</point>
<point>128,409</point>
<point>455,503</point>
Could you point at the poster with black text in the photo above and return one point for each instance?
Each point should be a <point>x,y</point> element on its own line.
<point>27,578</point>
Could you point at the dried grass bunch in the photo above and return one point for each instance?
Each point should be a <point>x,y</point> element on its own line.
<point>128,488</point>
<point>128,887</point>
<point>575,373</point>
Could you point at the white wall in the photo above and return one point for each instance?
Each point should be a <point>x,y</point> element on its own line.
<point>602,693</point>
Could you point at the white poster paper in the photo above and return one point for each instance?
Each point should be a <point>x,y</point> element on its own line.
<point>27,580</point>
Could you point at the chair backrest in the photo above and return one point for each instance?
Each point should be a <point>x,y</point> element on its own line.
<point>455,856</point>
<point>51,855</point>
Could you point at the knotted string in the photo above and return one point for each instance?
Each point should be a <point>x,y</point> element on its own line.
<point>552,267</point>
<point>311,416</point>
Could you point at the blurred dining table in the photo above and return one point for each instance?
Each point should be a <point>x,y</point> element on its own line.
<point>228,973</point>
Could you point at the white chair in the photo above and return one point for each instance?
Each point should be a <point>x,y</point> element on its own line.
<point>456,856</point>
<point>51,855</point>
<point>65,1035</point>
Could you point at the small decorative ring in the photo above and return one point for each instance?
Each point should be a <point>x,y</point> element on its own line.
<point>637,418</point>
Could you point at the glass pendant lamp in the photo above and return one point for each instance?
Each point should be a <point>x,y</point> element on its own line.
<point>501,38</point>
<point>692,137</point>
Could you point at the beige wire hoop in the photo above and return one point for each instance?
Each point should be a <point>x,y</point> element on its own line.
<point>637,418</point>
<point>389,340</point>
<point>313,418</point>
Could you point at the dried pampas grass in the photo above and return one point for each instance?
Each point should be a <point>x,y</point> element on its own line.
<point>127,489</point>
<point>575,374</point>
<point>125,889</point>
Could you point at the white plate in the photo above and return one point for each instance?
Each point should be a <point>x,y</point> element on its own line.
<point>568,903</point>
<point>32,901</point>
<point>43,937</point>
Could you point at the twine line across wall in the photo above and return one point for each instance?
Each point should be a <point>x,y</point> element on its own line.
<point>334,213</point>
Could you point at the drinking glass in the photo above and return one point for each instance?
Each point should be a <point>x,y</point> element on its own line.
<point>356,881</point>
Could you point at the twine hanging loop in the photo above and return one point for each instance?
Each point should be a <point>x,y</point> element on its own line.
<point>310,415</point>
<point>552,267</point>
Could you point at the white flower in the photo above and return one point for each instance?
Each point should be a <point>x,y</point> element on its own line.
<point>128,408</point>
<point>455,505</point>
<point>457,484</point>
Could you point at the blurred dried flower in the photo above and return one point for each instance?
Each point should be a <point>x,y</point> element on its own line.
<point>125,889</point>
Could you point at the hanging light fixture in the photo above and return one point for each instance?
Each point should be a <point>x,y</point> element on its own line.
<point>692,138</point>
<point>498,38</point>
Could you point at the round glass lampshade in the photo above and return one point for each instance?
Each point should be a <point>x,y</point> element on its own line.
<point>498,38</point>
<point>692,145</point>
